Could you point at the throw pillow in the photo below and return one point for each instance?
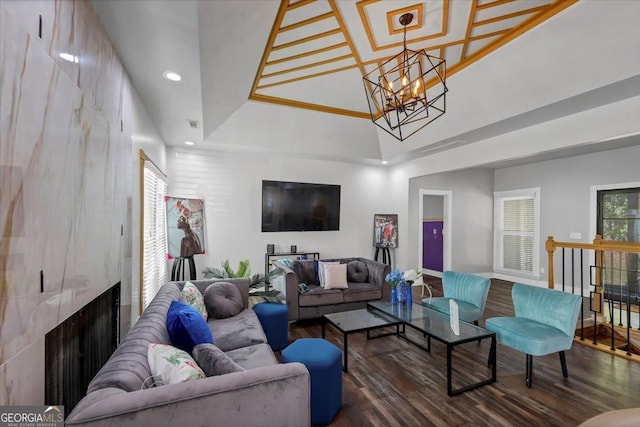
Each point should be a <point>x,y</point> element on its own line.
<point>305,270</point>
<point>172,365</point>
<point>186,327</point>
<point>214,361</point>
<point>357,271</point>
<point>321,270</point>
<point>335,276</point>
<point>316,276</point>
<point>286,261</point>
<point>192,296</point>
<point>223,300</point>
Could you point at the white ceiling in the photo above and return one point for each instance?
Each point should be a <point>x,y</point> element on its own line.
<point>251,64</point>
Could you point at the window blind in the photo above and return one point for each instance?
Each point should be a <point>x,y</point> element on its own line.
<point>517,232</point>
<point>154,265</point>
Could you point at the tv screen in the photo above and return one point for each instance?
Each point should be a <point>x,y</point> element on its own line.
<point>300,206</point>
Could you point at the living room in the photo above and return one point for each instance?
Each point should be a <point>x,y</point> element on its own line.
<point>71,175</point>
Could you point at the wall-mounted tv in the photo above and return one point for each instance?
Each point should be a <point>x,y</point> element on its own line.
<point>300,206</point>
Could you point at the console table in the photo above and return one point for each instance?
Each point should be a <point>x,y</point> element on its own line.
<point>274,256</point>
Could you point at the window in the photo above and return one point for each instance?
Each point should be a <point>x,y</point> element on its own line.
<point>154,234</point>
<point>618,214</point>
<point>517,232</point>
<point>619,220</point>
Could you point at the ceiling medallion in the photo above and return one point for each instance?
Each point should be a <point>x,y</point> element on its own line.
<point>408,91</point>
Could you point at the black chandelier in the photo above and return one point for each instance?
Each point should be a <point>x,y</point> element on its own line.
<point>408,91</point>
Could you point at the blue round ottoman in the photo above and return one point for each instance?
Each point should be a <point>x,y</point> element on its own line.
<point>324,363</point>
<point>274,321</point>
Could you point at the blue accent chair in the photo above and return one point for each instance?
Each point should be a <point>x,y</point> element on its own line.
<point>544,323</point>
<point>468,290</point>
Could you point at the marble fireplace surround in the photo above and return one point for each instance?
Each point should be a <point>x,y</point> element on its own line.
<point>65,178</point>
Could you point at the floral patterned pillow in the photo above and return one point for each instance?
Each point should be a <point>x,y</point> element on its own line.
<point>172,365</point>
<point>192,296</point>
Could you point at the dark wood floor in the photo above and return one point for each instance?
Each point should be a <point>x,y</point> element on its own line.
<point>394,383</point>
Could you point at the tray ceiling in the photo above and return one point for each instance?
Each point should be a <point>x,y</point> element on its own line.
<point>318,51</point>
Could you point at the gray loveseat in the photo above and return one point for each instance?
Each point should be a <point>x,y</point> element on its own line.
<point>265,394</point>
<point>319,301</point>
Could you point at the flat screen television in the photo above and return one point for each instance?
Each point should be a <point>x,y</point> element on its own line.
<point>300,206</point>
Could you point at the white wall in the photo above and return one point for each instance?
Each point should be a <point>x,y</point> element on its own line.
<point>565,188</point>
<point>145,137</point>
<point>433,207</point>
<point>471,222</point>
<point>231,185</point>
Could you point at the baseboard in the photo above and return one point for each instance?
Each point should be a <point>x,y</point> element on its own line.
<point>494,275</point>
<point>431,272</point>
<point>518,279</point>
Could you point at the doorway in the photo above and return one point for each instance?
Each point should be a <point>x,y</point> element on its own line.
<point>619,220</point>
<point>434,243</point>
<point>615,215</point>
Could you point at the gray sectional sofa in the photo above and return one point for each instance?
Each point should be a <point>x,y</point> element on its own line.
<point>265,394</point>
<point>318,301</point>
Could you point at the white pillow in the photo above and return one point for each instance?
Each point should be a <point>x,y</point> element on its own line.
<point>172,364</point>
<point>321,266</point>
<point>335,276</point>
<point>192,296</point>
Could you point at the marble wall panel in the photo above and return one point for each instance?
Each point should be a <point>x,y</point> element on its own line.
<point>14,386</point>
<point>36,141</point>
<point>125,173</point>
<point>50,24</point>
<point>65,164</point>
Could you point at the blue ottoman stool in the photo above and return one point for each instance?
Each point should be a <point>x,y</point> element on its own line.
<point>324,363</point>
<point>274,321</point>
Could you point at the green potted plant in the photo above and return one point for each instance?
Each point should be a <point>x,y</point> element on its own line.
<point>244,270</point>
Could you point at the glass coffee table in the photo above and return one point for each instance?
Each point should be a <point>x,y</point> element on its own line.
<point>436,325</point>
<point>361,320</point>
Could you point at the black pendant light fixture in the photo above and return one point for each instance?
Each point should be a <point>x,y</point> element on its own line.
<point>408,91</point>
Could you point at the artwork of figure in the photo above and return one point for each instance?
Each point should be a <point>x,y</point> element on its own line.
<point>190,243</point>
<point>385,231</point>
<point>185,227</point>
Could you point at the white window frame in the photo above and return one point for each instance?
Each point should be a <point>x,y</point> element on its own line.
<point>153,239</point>
<point>498,229</point>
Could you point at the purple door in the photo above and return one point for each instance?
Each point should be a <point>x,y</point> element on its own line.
<point>432,245</point>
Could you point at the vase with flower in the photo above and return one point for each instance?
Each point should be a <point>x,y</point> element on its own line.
<point>394,279</point>
<point>403,293</point>
<point>410,277</point>
<point>401,283</point>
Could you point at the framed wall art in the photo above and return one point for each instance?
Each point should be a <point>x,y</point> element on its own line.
<point>185,227</point>
<point>385,230</point>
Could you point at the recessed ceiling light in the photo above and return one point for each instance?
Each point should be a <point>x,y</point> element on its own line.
<point>69,57</point>
<point>170,75</point>
<point>189,142</point>
<point>384,162</point>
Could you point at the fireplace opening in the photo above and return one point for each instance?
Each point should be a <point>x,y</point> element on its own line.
<point>76,349</point>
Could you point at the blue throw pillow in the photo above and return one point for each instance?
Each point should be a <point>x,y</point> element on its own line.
<point>186,327</point>
<point>315,268</point>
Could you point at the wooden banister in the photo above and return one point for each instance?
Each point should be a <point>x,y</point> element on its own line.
<point>598,245</point>
<point>619,337</point>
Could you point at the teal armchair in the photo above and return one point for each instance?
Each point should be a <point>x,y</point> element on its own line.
<point>468,290</point>
<point>544,323</point>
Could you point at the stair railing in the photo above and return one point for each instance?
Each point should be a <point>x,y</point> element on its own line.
<point>603,263</point>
